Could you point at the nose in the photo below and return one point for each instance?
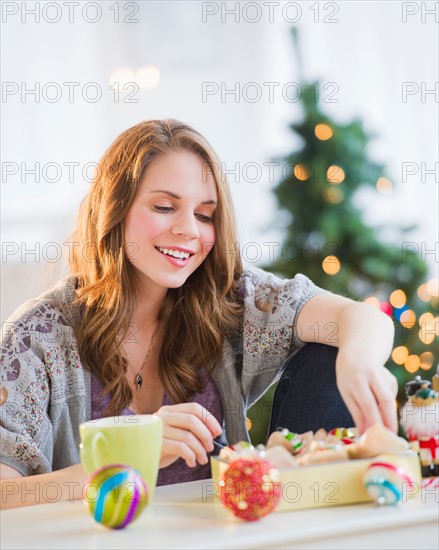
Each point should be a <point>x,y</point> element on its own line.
<point>186,224</point>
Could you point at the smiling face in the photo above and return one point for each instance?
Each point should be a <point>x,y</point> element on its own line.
<point>169,228</point>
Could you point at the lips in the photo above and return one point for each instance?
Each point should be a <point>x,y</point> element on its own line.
<point>176,253</point>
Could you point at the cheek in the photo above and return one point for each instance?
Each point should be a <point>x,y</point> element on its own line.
<point>142,228</point>
<point>208,238</point>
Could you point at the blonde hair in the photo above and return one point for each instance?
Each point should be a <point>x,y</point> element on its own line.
<point>204,309</point>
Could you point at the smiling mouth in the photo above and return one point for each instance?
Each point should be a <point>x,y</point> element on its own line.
<point>178,254</point>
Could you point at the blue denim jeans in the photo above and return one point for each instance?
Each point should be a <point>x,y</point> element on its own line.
<point>307,397</point>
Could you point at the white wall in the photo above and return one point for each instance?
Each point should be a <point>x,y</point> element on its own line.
<point>368,53</point>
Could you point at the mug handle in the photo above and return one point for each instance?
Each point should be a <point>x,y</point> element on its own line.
<point>95,458</point>
<point>99,448</point>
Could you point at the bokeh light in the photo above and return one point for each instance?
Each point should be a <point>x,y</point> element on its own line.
<point>335,174</point>
<point>423,293</point>
<point>384,186</point>
<point>331,265</point>
<point>400,354</point>
<point>301,172</point>
<point>433,287</point>
<point>333,195</point>
<point>398,311</point>
<point>408,318</point>
<point>323,132</point>
<point>426,360</point>
<point>426,319</point>
<point>412,363</point>
<point>429,324</point>
<point>121,76</point>
<point>147,77</point>
<point>398,298</point>
<point>426,334</point>
<point>386,308</point>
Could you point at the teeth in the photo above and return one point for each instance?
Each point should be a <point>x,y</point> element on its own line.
<point>175,253</point>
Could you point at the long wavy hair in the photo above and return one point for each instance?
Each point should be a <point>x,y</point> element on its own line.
<point>204,309</point>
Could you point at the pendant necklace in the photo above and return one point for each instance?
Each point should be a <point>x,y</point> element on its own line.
<point>139,379</point>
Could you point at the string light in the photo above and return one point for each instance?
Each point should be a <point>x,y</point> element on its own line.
<point>323,132</point>
<point>426,360</point>
<point>428,324</point>
<point>433,287</point>
<point>333,195</point>
<point>331,265</point>
<point>386,308</point>
<point>147,77</point>
<point>426,334</point>
<point>408,318</point>
<point>335,174</point>
<point>398,311</point>
<point>400,354</point>
<point>423,293</point>
<point>426,319</point>
<point>384,185</point>
<point>301,172</point>
<point>398,298</point>
<point>412,363</point>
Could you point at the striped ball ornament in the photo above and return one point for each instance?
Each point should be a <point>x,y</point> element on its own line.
<point>115,495</point>
<point>385,480</point>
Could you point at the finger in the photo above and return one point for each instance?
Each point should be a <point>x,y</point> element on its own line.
<point>188,439</point>
<point>384,396</point>
<point>368,406</point>
<point>356,414</point>
<point>173,448</point>
<point>200,412</point>
<point>187,422</point>
<point>206,417</point>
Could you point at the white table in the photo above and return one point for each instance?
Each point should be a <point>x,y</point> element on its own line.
<point>181,517</point>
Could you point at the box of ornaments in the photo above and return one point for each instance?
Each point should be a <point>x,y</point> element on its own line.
<point>315,469</point>
<point>297,471</point>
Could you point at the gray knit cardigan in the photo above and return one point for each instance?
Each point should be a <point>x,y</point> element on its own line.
<point>45,389</point>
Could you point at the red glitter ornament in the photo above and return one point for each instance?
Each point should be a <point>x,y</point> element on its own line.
<point>250,487</point>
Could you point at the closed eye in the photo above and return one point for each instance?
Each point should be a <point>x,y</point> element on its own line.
<point>163,208</point>
<point>167,209</point>
<point>205,219</point>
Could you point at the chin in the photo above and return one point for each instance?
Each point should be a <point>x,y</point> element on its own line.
<point>172,282</point>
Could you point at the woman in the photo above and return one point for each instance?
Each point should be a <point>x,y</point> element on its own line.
<point>158,316</point>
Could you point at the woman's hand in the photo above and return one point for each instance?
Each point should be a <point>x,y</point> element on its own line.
<point>188,431</point>
<point>368,390</point>
<point>364,337</point>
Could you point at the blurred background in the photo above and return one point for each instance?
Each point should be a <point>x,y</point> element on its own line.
<point>324,115</point>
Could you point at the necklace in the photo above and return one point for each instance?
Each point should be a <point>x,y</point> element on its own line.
<point>138,379</point>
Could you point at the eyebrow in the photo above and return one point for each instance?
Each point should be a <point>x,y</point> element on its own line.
<point>174,196</point>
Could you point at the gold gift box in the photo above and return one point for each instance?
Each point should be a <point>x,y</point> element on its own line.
<point>332,484</point>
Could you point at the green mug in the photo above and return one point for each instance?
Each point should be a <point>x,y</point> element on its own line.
<point>134,440</point>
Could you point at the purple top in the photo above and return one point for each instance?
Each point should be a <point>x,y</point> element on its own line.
<point>177,472</point>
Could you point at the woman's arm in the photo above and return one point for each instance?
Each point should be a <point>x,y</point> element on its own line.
<point>364,336</point>
<point>17,491</point>
<point>188,432</point>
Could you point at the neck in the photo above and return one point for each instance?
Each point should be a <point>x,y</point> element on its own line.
<point>147,311</point>
<point>150,299</point>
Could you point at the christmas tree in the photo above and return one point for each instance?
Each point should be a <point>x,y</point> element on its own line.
<point>327,239</point>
